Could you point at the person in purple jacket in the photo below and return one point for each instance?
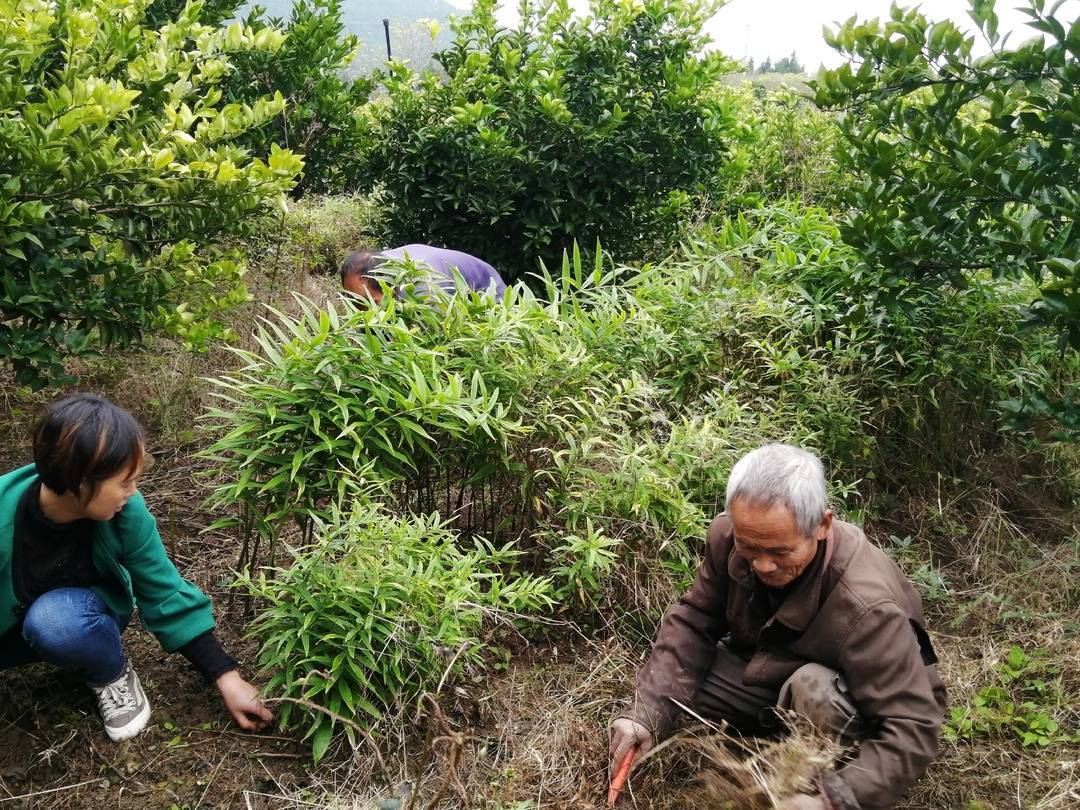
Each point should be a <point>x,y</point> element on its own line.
<point>356,271</point>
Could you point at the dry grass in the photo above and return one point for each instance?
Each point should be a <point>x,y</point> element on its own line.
<point>1007,544</point>
<point>537,739</point>
<point>736,772</point>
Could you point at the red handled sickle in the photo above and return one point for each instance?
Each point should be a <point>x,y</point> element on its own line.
<point>619,779</point>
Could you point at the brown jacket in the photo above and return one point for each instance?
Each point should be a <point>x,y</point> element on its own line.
<point>855,612</point>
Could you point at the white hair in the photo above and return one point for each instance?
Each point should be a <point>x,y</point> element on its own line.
<point>785,474</point>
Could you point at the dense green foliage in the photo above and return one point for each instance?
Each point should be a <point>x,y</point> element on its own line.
<point>117,168</point>
<point>965,165</point>
<point>593,427</point>
<point>211,12</point>
<point>317,232</point>
<point>378,610</point>
<point>319,120</point>
<point>601,127</point>
<point>782,149</point>
<point>305,431</point>
<point>311,69</point>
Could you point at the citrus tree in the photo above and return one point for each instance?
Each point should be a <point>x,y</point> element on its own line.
<point>964,166</point>
<point>118,169</point>
<point>595,127</point>
<point>321,101</point>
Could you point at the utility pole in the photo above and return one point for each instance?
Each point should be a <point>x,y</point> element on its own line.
<point>386,28</point>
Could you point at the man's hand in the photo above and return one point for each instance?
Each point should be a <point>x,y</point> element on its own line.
<point>626,733</point>
<point>802,801</point>
<point>242,701</point>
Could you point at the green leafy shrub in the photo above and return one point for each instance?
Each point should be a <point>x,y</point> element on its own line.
<point>563,128</point>
<point>907,376</point>
<point>320,116</point>
<point>585,563</point>
<point>665,322</point>
<point>118,166</point>
<point>320,231</point>
<point>449,407</point>
<point>333,397</point>
<point>965,168</point>
<point>615,475</point>
<point>784,150</point>
<point>379,610</point>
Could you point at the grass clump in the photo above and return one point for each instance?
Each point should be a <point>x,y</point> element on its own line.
<point>378,610</point>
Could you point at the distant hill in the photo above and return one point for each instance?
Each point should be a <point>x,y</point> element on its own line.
<point>408,39</point>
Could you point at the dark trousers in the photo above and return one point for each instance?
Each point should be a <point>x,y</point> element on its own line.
<point>72,629</point>
<point>815,692</point>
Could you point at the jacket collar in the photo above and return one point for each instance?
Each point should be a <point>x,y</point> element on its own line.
<point>803,603</point>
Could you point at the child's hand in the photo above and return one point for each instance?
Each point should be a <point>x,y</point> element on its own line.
<point>242,701</point>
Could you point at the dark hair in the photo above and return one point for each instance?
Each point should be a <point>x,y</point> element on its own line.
<point>84,438</point>
<point>361,262</point>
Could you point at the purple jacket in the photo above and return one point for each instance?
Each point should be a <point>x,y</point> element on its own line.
<point>478,274</point>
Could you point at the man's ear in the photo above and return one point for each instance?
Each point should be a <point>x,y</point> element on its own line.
<point>362,285</point>
<point>352,283</point>
<point>826,525</point>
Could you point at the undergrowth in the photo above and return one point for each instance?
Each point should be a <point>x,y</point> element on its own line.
<point>590,427</point>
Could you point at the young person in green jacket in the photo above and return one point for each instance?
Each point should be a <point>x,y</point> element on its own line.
<point>79,551</point>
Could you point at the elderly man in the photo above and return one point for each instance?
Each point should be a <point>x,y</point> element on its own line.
<point>794,609</point>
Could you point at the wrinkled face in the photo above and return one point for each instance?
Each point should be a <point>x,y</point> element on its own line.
<point>112,494</point>
<point>768,538</point>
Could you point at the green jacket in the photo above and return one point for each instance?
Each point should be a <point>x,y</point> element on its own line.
<point>128,551</point>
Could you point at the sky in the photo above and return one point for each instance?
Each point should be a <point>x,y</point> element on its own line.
<point>773,28</point>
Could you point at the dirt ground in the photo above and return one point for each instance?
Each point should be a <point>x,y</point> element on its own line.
<point>53,751</point>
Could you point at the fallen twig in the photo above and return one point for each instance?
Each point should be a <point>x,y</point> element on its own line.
<point>108,762</point>
<point>52,790</point>
<point>213,776</point>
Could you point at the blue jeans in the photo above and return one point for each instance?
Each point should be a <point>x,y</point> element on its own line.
<point>70,628</point>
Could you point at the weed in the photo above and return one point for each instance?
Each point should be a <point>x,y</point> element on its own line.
<point>927,579</point>
<point>1022,704</point>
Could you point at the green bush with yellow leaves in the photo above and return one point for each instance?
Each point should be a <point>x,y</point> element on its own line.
<point>118,171</point>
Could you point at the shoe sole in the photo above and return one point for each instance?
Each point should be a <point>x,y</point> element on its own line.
<point>132,727</point>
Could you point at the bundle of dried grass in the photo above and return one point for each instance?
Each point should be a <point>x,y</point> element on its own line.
<point>731,771</point>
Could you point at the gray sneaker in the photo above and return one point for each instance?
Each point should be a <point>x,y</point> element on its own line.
<point>123,705</point>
